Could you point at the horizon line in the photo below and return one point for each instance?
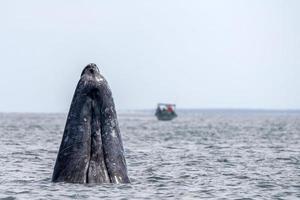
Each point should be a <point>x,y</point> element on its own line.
<point>178,109</point>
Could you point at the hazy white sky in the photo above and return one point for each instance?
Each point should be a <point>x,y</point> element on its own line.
<point>197,54</point>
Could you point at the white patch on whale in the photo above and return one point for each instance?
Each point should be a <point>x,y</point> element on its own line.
<point>99,79</point>
<point>113,134</point>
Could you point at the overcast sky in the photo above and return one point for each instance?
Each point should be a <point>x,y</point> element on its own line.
<point>197,54</point>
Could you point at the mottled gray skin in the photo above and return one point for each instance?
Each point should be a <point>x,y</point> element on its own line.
<point>91,150</point>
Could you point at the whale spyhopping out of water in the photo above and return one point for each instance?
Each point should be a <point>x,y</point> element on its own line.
<point>91,149</point>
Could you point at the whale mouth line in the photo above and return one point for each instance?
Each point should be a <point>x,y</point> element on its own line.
<point>91,143</point>
<point>96,151</point>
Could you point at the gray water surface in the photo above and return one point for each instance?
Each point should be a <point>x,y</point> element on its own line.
<point>199,155</point>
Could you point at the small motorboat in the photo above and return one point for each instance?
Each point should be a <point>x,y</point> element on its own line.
<point>165,111</point>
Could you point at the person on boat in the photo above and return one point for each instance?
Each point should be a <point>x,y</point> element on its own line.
<point>158,111</point>
<point>170,109</point>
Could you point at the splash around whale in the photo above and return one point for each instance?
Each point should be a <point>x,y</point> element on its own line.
<point>91,149</point>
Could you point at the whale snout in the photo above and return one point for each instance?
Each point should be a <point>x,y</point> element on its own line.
<point>91,149</point>
<point>91,69</point>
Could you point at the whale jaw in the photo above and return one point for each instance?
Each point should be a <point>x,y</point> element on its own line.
<point>91,150</point>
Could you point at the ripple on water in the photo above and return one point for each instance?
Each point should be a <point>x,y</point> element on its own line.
<point>213,155</point>
<point>8,198</point>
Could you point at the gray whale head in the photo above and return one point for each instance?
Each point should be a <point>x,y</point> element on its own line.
<point>91,149</point>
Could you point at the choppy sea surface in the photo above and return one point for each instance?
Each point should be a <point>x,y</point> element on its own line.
<point>200,155</point>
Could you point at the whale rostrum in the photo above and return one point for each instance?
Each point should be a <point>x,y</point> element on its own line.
<point>91,149</point>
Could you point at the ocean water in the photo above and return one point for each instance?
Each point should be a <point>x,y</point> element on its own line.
<point>199,155</point>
